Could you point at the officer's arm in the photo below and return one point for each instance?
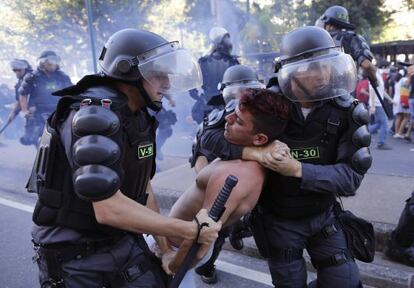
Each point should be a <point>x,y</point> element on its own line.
<point>25,89</point>
<point>362,54</point>
<point>353,159</point>
<point>213,140</point>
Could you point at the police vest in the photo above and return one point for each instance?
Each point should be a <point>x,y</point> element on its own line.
<point>315,141</point>
<point>43,86</point>
<point>52,175</point>
<point>213,67</point>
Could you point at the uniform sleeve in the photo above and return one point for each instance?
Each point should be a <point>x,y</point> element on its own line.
<point>27,84</point>
<point>360,50</point>
<point>339,178</point>
<point>353,159</point>
<point>213,140</point>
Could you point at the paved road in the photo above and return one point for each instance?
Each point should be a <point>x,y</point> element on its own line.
<point>18,271</point>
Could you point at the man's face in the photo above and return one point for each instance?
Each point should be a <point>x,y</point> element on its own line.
<point>155,83</point>
<point>239,128</point>
<point>19,73</point>
<point>312,81</point>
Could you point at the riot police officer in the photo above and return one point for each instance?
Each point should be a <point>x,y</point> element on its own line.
<point>236,79</point>
<point>329,154</point>
<point>20,68</point>
<point>213,67</point>
<point>93,169</point>
<point>36,99</point>
<point>336,21</point>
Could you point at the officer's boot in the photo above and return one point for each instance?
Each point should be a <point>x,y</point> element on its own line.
<point>241,229</point>
<point>401,245</point>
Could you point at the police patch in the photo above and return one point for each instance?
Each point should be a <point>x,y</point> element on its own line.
<point>305,153</point>
<point>145,151</point>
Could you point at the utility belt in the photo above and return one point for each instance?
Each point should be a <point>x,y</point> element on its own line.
<point>57,254</point>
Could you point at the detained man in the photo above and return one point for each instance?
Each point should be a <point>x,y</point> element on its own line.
<point>259,118</point>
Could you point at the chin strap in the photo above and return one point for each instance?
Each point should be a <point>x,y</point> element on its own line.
<point>153,105</point>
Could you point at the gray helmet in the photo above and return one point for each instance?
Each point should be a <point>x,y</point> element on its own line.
<point>132,55</point>
<point>50,56</point>
<point>237,78</point>
<point>311,68</point>
<point>220,38</point>
<point>19,64</point>
<point>338,16</point>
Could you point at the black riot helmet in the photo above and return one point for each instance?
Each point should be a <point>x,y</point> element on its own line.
<point>336,15</point>
<point>311,68</point>
<point>133,55</point>
<point>237,78</point>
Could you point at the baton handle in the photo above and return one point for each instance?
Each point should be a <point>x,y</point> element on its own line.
<point>215,213</point>
<point>389,115</point>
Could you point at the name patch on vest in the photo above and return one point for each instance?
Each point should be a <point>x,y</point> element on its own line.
<point>305,153</point>
<point>145,151</point>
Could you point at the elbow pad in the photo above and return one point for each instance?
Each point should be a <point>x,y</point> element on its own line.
<point>96,153</point>
<point>361,159</point>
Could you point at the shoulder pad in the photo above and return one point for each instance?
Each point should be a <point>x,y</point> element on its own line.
<point>95,182</point>
<point>95,120</point>
<point>203,59</point>
<point>95,149</point>
<point>29,77</point>
<point>360,114</point>
<point>215,118</point>
<point>362,160</point>
<point>99,93</point>
<point>344,101</point>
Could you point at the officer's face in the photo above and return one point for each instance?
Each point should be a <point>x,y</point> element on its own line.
<point>50,66</point>
<point>155,83</point>
<point>19,73</point>
<point>239,128</point>
<point>311,82</point>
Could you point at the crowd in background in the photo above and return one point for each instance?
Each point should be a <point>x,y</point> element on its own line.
<point>398,96</point>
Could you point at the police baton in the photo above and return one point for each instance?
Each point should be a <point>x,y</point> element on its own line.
<point>215,213</point>
<point>5,125</point>
<point>389,114</point>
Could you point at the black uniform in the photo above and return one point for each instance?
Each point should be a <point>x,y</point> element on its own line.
<point>297,212</point>
<point>353,44</point>
<point>39,85</point>
<point>93,146</point>
<point>212,67</point>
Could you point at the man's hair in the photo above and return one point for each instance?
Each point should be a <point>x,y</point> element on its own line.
<point>270,111</point>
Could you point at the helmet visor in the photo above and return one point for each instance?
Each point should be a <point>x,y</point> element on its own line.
<point>50,59</point>
<point>233,91</point>
<point>318,78</point>
<point>172,72</point>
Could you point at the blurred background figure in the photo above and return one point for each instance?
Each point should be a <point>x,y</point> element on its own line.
<point>166,119</point>
<point>212,69</point>
<point>20,68</point>
<point>36,100</point>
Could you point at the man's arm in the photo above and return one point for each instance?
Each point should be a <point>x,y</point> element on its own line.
<point>25,89</point>
<point>153,205</point>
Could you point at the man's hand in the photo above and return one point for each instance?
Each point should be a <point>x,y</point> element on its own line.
<point>209,231</point>
<point>166,259</point>
<point>283,164</point>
